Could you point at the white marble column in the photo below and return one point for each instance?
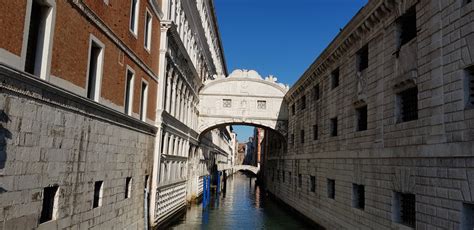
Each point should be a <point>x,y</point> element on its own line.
<point>165,144</point>
<point>173,95</point>
<point>168,90</point>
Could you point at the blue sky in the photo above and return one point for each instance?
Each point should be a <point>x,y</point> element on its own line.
<point>279,37</point>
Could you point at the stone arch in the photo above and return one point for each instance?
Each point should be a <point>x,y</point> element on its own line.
<point>243,97</point>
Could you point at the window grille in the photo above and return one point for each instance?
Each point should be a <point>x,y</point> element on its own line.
<point>361,118</point>
<point>227,103</point>
<point>315,132</point>
<point>300,182</point>
<point>302,136</point>
<point>358,195</point>
<point>408,104</point>
<point>262,105</point>
<point>334,127</point>
<point>331,188</point>
<point>335,78</point>
<point>313,183</point>
<point>407,26</point>
<point>407,209</point>
<point>363,58</point>
<point>316,92</point>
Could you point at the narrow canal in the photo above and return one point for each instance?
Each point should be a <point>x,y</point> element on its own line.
<point>242,206</point>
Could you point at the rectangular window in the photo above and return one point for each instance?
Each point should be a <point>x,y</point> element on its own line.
<point>129,91</point>
<point>408,104</point>
<point>134,16</point>
<point>283,175</point>
<point>261,105</point>
<point>226,103</point>
<point>293,110</point>
<point>358,196</point>
<point>313,183</point>
<point>98,194</point>
<point>363,58</point>
<point>302,136</point>
<point>128,187</point>
<point>95,70</point>
<point>317,93</point>
<point>148,30</point>
<point>335,78</point>
<point>315,132</point>
<point>407,26</point>
<point>143,101</point>
<point>50,204</point>
<point>289,177</point>
<point>403,209</point>
<point>334,127</point>
<point>38,44</point>
<point>331,184</point>
<point>300,181</point>
<point>278,175</point>
<point>361,118</point>
<point>467,222</point>
<point>292,140</point>
<point>470,86</point>
<point>273,175</point>
<point>303,102</point>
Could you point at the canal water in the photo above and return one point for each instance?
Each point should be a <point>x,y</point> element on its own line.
<point>242,206</point>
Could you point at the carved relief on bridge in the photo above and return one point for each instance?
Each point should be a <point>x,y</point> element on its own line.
<point>244,97</point>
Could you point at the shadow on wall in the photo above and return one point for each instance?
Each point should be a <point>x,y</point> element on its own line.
<point>4,135</point>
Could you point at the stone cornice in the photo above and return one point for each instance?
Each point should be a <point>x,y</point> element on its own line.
<point>361,24</point>
<point>24,84</point>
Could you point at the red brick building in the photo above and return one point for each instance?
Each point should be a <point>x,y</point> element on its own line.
<point>58,41</point>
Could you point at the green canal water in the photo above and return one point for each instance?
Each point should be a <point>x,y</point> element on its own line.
<point>242,206</point>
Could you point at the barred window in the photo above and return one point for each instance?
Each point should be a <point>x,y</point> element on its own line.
<point>331,184</point>
<point>467,221</point>
<point>361,118</point>
<point>315,132</point>
<point>226,103</point>
<point>407,26</point>
<point>300,182</point>
<point>313,183</point>
<point>363,58</point>
<point>335,78</point>
<point>470,85</point>
<point>303,102</point>
<point>316,91</point>
<point>334,127</point>
<point>405,209</point>
<point>302,136</point>
<point>358,196</point>
<point>408,104</point>
<point>261,104</point>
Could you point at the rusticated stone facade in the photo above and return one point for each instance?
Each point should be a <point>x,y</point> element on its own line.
<point>381,124</point>
<point>50,137</point>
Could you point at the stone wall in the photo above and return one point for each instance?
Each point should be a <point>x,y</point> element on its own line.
<point>430,157</point>
<point>50,137</point>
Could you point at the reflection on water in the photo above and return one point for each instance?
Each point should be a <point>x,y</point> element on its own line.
<point>242,206</point>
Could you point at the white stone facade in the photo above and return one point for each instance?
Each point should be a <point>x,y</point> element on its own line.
<point>334,148</point>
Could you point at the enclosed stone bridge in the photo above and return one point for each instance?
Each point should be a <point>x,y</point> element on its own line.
<point>249,168</point>
<point>244,97</point>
